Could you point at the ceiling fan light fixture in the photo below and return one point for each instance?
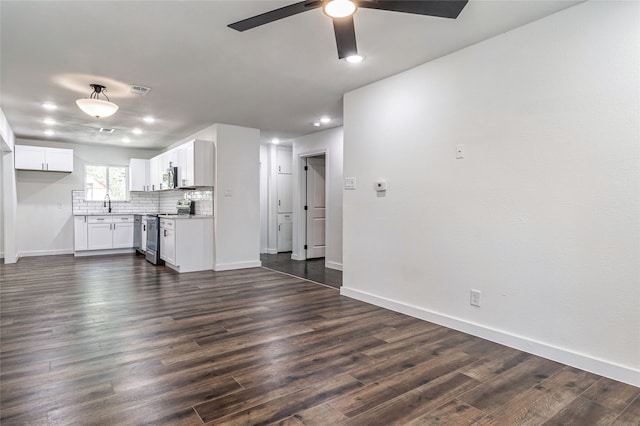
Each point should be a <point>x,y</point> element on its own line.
<point>339,8</point>
<point>95,107</point>
<point>355,59</point>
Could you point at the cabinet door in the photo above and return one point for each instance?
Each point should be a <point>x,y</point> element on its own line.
<point>285,193</point>
<point>29,157</point>
<point>99,236</point>
<point>168,245</point>
<point>155,176</point>
<point>284,159</point>
<point>123,235</point>
<point>138,174</point>
<point>285,232</point>
<point>58,159</point>
<point>143,234</point>
<point>80,233</point>
<point>186,165</point>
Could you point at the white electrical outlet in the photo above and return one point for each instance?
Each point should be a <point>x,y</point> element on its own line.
<point>475,298</point>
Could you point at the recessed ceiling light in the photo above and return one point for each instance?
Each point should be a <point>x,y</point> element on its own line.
<point>49,106</point>
<point>105,130</point>
<point>49,121</point>
<point>355,59</point>
<point>316,124</point>
<point>126,140</point>
<point>49,132</point>
<point>149,119</point>
<point>136,131</point>
<point>325,120</point>
<point>275,141</point>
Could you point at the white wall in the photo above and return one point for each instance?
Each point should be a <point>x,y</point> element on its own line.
<point>237,217</point>
<point>41,227</point>
<point>329,142</point>
<point>264,198</point>
<point>8,198</point>
<point>543,213</point>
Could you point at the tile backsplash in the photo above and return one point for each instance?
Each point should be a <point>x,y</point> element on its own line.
<point>147,202</point>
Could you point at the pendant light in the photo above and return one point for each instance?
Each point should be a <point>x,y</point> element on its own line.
<point>96,107</point>
<point>339,8</point>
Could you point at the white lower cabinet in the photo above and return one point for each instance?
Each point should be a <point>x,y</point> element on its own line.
<point>143,234</point>
<point>186,244</point>
<point>80,233</point>
<point>168,241</point>
<point>100,236</point>
<point>103,232</point>
<point>123,235</point>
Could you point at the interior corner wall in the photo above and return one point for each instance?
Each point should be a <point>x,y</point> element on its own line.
<point>44,221</point>
<point>543,213</point>
<point>8,198</point>
<point>264,198</point>
<point>1,207</point>
<point>329,142</point>
<point>237,198</point>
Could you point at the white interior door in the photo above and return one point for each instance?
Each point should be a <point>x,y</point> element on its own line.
<point>316,207</point>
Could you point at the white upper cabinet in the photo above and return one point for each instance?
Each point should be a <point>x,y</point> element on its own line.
<point>139,175</point>
<point>195,163</point>
<point>155,175</point>
<point>284,159</point>
<point>44,159</point>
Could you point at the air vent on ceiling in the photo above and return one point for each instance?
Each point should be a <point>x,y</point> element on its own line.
<point>139,90</point>
<point>105,130</point>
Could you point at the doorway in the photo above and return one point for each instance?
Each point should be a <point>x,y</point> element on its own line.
<point>315,206</point>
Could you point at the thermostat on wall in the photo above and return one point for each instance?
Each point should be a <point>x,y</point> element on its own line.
<point>381,186</point>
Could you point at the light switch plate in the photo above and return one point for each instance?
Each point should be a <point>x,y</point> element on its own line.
<point>459,152</point>
<point>228,192</point>
<point>350,183</point>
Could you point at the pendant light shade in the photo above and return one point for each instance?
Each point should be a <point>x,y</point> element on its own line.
<point>96,107</point>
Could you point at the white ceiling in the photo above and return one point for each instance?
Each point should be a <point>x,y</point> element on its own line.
<point>278,78</point>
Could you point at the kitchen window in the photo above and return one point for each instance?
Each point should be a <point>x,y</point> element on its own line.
<point>101,180</point>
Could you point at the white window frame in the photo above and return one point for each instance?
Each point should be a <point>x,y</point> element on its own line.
<point>108,166</point>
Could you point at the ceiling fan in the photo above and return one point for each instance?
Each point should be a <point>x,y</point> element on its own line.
<point>341,11</point>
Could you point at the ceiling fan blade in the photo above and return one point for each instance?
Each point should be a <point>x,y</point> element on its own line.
<point>345,36</point>
<point>440,8</point>
<point>274,15</point>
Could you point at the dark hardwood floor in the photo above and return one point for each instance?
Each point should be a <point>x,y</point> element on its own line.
<point>310,269</point>
<point>117,341</point>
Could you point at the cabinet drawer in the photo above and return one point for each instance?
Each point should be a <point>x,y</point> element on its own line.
<point>99,219</point>
<point>123,219</point>
<point>167,223</point>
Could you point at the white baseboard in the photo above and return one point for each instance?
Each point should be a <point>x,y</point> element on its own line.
<point>564,356</point>
<point>236,265</point>
<point>102,252</point>
<point>44,253</point>
<point>333,265</point>
<point>272,251</point>
<point>296,256</point>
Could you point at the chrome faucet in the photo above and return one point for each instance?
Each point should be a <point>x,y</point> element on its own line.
<point>104,204</point>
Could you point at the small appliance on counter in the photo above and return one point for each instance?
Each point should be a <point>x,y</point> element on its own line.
<point>186,207</point>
